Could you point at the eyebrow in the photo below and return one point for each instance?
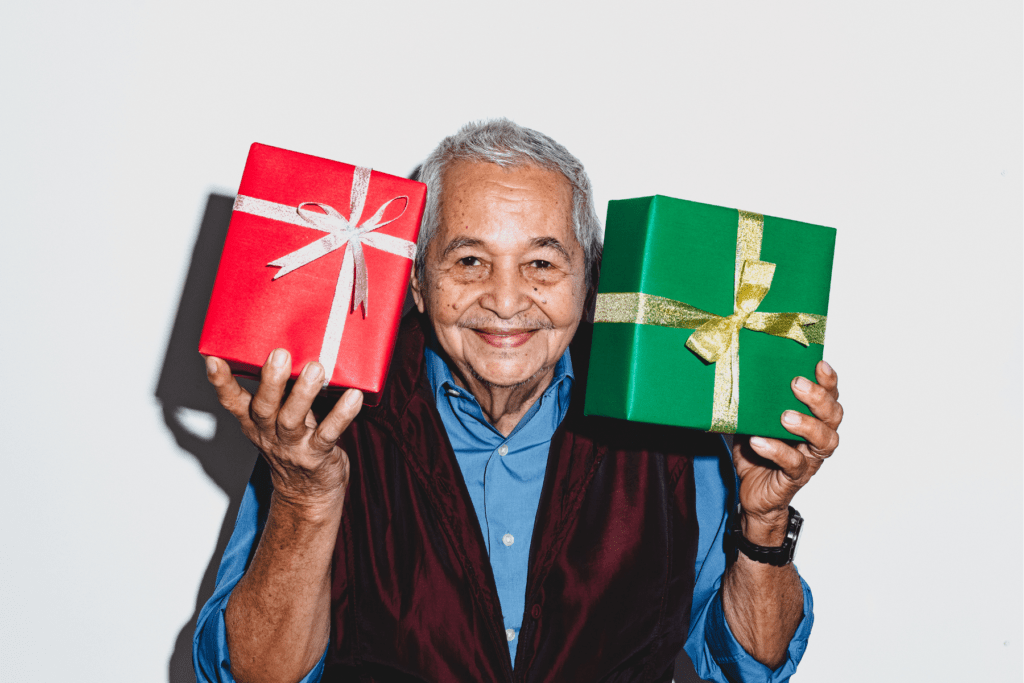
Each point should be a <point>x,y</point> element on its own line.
<point>459,243</point>
<point>552,243</point>
<point>537,242</point>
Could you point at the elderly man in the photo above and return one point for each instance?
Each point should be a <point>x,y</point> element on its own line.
<point>475,525</point>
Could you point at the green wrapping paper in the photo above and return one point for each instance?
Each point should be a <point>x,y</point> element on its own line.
<point>675,269</point>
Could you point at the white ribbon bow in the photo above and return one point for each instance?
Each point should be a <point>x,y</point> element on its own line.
<point>352,289</point>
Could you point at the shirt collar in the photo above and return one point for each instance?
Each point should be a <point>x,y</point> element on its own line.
<point>440,375</point>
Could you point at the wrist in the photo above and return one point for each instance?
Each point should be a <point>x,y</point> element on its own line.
<point>310,510</point>
<point>767,530</point>
<point>763,547</point>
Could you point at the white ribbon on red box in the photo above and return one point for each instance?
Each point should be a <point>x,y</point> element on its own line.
<point>352,289</point>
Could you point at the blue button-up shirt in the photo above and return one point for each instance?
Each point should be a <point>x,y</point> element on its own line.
<point>504,474</point>
<point>505,489</point>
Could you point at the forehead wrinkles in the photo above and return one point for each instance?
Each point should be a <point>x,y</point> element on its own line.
<point>484,195</point>
<point>487,206</point>
<point>526,182</point>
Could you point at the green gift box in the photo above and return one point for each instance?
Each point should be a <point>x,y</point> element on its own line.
<point>706,314</point>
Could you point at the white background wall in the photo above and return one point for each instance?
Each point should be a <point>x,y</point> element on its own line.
<point>899,123</point>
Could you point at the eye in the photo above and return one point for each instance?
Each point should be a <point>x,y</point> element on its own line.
<point>541,264</point>
<point>469,261</point>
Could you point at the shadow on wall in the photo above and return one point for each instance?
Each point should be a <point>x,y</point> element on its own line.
<point>203,428</point>
<point>198,422</point>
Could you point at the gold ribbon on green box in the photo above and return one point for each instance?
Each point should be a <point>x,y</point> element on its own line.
<point>716,338</point>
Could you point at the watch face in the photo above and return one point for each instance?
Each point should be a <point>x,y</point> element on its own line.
<point>796,523</point>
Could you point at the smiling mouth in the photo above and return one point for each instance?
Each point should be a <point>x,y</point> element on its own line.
<point>505,339</point>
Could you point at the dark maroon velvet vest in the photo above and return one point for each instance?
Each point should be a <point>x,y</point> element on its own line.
<point>611,560</point>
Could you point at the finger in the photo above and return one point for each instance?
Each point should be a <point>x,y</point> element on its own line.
<point>823,404</point>
<point>273,379</point>
<point>826,376</point>
<point>791,461</point>
<point>338,420</point>
<point>291,419</point>
<point>230,394</point>
<point>822,440</point>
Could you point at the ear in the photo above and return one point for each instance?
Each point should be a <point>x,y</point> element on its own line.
<point>590,304</point>
<point>417,292</point>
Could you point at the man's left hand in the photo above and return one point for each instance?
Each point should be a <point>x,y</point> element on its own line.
<point>772,471</point>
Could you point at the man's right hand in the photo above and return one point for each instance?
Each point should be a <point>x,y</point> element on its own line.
<point>308,469</point>
<point>278,616</point>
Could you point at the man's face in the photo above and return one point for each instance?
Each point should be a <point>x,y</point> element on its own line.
<point>504,276</point>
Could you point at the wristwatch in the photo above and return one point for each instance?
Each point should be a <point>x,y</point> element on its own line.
<point>777,557</point>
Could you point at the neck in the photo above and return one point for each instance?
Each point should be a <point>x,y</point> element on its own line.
<point>505,406</point>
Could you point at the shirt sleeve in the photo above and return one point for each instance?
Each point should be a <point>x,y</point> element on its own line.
<point>210,644</point>
<point>711,645</point>
<point>718,656</point>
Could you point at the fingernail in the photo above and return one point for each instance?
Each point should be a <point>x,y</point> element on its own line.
<point>802,384</point>
<point>353,397</point>
<point>211,366</point>
<point>313,371</point>
<point>827,369</point>
<point>758,442</point>
<point>791,417</point>
<point>278,357</point>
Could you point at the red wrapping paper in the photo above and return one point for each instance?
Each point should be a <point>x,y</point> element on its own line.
<point>251,313</point>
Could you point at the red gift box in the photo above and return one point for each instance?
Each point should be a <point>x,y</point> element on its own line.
<point>317,261</point>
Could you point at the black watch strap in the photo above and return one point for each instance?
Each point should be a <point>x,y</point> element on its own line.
<point>776,556</point>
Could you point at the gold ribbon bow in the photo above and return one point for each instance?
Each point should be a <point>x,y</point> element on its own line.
<point>716,338</point>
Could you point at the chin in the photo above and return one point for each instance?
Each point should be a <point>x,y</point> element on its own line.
<point>507,378</point>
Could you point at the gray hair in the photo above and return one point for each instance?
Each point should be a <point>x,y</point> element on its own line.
<point>508,145</point>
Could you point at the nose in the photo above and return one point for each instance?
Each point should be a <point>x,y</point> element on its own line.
<point>507,293</point>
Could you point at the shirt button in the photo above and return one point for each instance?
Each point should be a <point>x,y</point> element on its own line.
<point>502,449</point>
<point>508,539</point>
<point>453,392</point>
<point>510,634</point>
